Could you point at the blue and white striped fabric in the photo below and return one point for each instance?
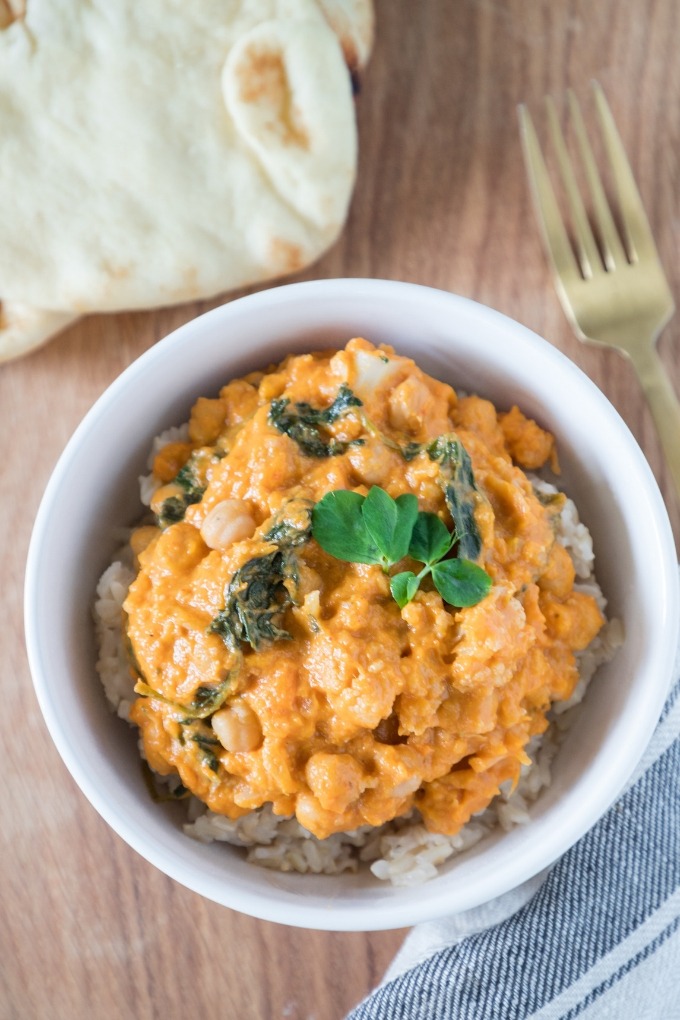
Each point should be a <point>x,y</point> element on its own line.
<point>598,936</point>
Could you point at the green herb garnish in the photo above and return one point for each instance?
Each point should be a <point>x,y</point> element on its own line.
<point>307,425</point>
<point>456,479</point>
<point>459,581</point>
<point>365,529</point>
<point>378,529</point>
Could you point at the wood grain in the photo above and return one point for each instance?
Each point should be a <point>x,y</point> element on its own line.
<point>87,928</point>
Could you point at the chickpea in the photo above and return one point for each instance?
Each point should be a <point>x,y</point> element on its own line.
<point>406,787</point>
<point>558,576</point>
<point>408,404</point>
<point>336,780</point>
<point>237,728</point>
<point>228,522</point>
<point>314,817</point>
<point>371,462</point>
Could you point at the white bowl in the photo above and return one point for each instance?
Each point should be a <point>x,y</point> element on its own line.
<point>94,489</point>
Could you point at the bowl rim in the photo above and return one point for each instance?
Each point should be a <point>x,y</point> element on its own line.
<point>391,913</point>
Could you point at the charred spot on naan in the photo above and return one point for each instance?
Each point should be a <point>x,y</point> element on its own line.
<point>285,256</point>
<point>354,24</point>
<point>262,79</point>
<point>11,11</point>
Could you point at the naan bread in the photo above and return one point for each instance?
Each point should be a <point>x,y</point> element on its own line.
<point>160,152</point>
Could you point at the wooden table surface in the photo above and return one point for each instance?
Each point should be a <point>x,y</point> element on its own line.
<point>87,928</point>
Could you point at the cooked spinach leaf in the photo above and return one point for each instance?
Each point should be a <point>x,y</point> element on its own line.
<point>161,792</point>
<point>205,741</point>
<point>201,734</point>
<point>208,745</point>
<point>186,477</point>
<point>172,510</point>
<point>174,507</point>
<point>410,451</point>
<point>255,599</point>
<point>460,492</point>
<point>288,533</point>
<point>207,698</point>
<point>262,589</point>
<point>307,425</point>
<point>551,500</point>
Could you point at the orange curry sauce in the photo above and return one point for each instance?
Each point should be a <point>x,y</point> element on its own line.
<point>364,711</point>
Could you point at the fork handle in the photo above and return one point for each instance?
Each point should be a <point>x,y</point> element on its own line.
<point>663,404</point>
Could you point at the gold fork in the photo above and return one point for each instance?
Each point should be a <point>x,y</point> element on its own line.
<point>611,284</point>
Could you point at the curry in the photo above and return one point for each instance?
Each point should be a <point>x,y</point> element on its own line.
<point>270,671</point>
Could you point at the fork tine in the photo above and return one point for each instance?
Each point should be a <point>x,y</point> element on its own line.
<point>547,210</point>
<point>586,249</point>
<point>613,253</point>
<point>636,230</point>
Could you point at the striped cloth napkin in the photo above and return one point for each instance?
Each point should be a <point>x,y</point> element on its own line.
<point>596,936</point>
